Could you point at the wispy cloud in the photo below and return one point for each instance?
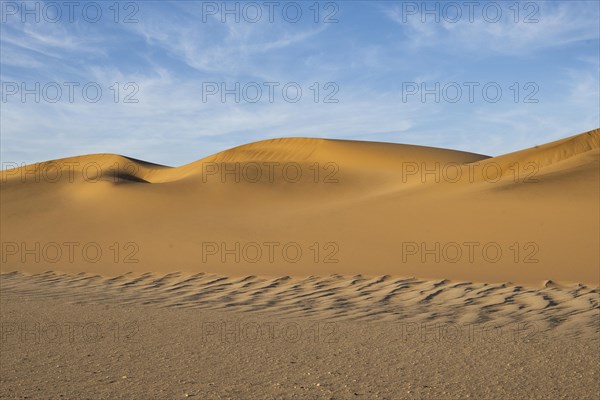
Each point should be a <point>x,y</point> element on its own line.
<point>234,49</point>
<point>544,25</point>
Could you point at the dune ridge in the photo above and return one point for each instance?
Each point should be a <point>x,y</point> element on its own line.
<point>308,150</point>
<point>285,150</point>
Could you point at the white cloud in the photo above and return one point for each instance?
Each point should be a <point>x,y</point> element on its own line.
<point>559,24</point>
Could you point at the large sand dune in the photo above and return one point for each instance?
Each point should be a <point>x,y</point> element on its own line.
<point>350,207</point>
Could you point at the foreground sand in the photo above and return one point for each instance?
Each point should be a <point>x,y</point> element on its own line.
<point>208,337</point>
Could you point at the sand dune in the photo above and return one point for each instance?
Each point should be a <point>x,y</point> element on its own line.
<point>303,207</point>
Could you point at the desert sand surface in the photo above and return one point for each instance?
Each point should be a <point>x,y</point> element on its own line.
<point>209,337</point>
<point>314,207</point>
<point>304,268</point>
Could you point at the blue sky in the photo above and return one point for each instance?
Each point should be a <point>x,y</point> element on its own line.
<point>366,57</point>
